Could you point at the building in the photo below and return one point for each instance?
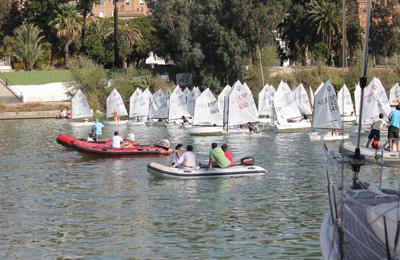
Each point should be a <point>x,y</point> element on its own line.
<point>362,10</point>
<point>126,9</point>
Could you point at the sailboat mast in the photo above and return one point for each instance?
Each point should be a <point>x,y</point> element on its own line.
<point>363,78</point>
<point>344,34</point>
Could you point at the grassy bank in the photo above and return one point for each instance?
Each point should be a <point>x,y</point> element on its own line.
<point>36,77</point>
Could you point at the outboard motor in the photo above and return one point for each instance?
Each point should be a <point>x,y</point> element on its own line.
<point>247,161</point>
<point>163,143</point>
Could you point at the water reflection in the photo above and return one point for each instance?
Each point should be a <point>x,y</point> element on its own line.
<point>58,203</point>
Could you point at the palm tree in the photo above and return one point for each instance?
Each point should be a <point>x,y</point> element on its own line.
<point>116,46</point>
<point>85,7</point>
<point>325,15</point>
<point>128,34</point>
<point>28,45</point>
<point>67,26</point>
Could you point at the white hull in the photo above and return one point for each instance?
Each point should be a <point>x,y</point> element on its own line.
<point>370,154</point>
<point>158,170</point>
<point>294,126</point>
<point>349,118</point>
<point>206,130</point>
<point>315,136</point>
<point>120,122</point>
<point>81,124</point>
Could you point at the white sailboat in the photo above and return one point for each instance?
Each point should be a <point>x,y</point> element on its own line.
<point>158,110</point>
<point>241,108</point>
<point>139,106</point>
<point>302,101</point>
<point>326,115</point>
<point>207,118</point>
<point>196,92</point>
<point>190,101</point>
<point>266,104</point>
<point>115,108</point>
<point>81,109</point>
<point>287,113</point>
<point>395,95</point>
<point>177,106</point>
<point>221,97</point>
<point>346,105</point>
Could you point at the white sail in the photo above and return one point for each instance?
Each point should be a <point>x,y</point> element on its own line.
<point>115,104</point>
<point>167,96</point>
<point>158,106</point>
<point>196,92</point>
<point>262,101</point>
<point>177,105</point>
<point>285,104</point>
<point>311,93</point>
<point>319,88</point>
<point>344,102</point>
<point>376,89</point>
<point>145,99</point>
<point>190,101</point>
<point>302,101</point>
<point>221,97</point>
<point>395,95</point>
<point>326,111</point>
<point>134,105</point>
<point>266,101</point>
<point>206,110</point>
<point>242,108</point>
<point>370,106</point>
<point>80,106</point>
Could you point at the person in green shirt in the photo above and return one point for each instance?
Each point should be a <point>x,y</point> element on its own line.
<point>217,156</point>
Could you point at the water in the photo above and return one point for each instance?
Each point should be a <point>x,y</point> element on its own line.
<point>56,203</point>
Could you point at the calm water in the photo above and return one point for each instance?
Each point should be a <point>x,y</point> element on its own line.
<point>55,202</point>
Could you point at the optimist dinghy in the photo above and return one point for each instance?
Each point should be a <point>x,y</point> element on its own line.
<point>81,109</point>
<point>326,115</point>
<point>158,170</point>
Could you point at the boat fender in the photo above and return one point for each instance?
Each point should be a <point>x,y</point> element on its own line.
<point>248,161</point>
<point>163,143</point>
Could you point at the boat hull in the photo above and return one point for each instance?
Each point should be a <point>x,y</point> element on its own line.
<point>370,154</point>
<point>206,131</point>
<point>121,122</point>
<point>158,170</point>
<point>315,136</point>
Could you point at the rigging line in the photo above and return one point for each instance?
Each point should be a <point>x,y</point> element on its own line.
<point>362,244</point>
<point>363,226</point>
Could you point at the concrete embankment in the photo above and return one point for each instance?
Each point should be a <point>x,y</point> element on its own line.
<point>28,115</point>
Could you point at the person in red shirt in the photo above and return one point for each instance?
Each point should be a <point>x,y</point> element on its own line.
<point>228,154</point>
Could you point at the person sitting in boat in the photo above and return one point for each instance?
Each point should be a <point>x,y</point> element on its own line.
<point>217,157</point>
<point>117,140</point>
<point>177,154</point>
<point>184,120</point>
<point>90,138</point>
<point>97,130</point>
<point>393,131</point>
<point>376,128</point>
<point>187,160</point>
<point>228,154</point>
<point>252,128</point>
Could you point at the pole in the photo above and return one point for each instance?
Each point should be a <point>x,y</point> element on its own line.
<point>261,68</point>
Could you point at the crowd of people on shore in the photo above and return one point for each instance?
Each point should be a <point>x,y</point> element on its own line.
<point>393,131</point>
<point>220,157</point>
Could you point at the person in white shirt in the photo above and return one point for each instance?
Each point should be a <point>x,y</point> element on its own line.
<point>117,140</point>
<point>188,159</point>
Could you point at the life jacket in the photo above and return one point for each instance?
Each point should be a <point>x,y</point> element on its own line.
<point>375,144</point>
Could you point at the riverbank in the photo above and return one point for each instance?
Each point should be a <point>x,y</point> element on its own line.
<point>32,110</point>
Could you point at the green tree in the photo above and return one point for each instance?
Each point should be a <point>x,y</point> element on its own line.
<point>28,45</point>
<point>96,46</point>
<point>67,26</point>
<point>42,13</point>
<point>384,30</point>
<point>128,34</point>
<point>325,16</point>
<point>85,8</point>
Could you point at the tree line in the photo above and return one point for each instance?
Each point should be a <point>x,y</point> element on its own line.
<point>216,40</point>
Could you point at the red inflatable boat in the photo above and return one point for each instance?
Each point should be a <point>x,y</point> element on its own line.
<point>104,149</point>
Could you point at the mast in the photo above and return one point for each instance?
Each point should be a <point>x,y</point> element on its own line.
<point>357,159</point>
<point>344,35</point>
